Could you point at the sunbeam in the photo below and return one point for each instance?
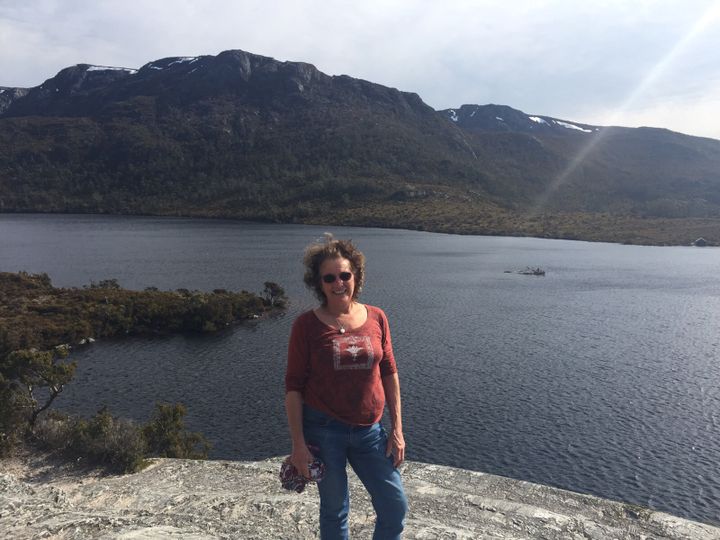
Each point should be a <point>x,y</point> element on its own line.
<point>708,17</point>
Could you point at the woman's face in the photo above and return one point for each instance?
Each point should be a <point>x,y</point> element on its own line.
<point>339,289</point>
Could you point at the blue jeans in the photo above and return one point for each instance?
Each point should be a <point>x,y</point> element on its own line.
<point>364,447</point>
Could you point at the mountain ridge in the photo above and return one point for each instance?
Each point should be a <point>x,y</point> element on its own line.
<point>486,110</point>
<point>246,136</point>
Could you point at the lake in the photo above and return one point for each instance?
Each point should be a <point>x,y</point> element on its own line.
<point>599,377</point>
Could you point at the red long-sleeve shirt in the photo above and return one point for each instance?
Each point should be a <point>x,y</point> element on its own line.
<point>340,374</point>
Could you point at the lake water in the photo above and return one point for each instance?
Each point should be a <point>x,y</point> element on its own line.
<point>600,377</point>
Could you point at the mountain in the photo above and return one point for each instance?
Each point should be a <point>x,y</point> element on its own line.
<point>246,136</point>
<point>566,165</point>
<point>236,134</point>
<point>480,119</point>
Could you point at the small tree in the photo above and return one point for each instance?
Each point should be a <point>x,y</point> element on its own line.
<point>111,283</point>
<point>26,372</point>
<point>274,295</point>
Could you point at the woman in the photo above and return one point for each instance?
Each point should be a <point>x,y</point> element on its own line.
<point>340,372</point>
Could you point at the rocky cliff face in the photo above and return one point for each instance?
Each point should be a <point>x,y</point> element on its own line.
<point>223,499</point>
<point>254,80</point>
<point>8,95</point>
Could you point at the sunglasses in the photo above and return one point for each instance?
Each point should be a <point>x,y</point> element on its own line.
<point>331,278</point>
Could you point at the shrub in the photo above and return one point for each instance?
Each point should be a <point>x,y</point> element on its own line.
<point>166,435</point>
<point>120,444</point>
<point>14,414</point>
<point>105,439</point>
<point>105,284</point>
<point>54,430</point>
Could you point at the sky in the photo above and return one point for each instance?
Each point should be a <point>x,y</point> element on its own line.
<point>604,62</point>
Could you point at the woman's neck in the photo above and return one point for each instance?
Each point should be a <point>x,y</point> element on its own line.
<point>338,309</point>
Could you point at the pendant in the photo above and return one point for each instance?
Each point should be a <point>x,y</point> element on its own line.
<point>342,329</point>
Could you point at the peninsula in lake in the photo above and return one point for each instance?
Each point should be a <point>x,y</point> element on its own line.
<point>243,136</point>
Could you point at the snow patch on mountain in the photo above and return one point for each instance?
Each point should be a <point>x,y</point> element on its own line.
<point>111,68</point>
<point>168,62</point>
<point>453,115</point>
<point>538,120</point>
<point>183,59</point>
<point>571,126</point>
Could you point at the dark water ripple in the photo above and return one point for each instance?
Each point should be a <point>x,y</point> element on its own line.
<point>600,377</point>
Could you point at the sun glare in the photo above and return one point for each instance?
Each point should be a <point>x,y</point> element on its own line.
<point>705,21</point>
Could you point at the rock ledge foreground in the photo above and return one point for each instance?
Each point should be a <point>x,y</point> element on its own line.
<point>185,499</point>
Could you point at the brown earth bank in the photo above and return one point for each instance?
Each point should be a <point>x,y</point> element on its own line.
<point>43,497</point>
<point>469,218</point>
<point>451,216</point>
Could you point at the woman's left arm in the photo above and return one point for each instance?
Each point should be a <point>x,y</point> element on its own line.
<point>396,441</point>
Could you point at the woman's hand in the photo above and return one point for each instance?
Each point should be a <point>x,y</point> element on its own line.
<point>396,447</point>
<point>301,457</point>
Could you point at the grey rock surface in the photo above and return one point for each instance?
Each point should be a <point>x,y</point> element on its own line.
<point>225,499</point>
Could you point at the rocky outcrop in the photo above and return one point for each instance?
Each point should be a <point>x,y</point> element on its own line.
<point>497,118</point>
<point>239,77</point>
<point>8,95</point>
<point>224,499</point>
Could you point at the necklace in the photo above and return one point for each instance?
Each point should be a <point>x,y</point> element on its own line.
<point>341,326</point>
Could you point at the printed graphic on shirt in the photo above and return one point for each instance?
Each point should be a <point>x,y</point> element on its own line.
<point>353,352</point>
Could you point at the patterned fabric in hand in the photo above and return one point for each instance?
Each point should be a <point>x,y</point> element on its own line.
<point>291,478</point>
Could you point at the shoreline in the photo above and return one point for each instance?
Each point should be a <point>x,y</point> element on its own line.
<point>708,224</point>
<point>234,499</point>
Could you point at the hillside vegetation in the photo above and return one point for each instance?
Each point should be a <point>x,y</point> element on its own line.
<point>244,136</point>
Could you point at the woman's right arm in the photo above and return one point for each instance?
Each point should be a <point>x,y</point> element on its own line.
<point>298,368</point>
<point>301,457</point>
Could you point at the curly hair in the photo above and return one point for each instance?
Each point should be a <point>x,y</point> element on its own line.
<point>329,248</point>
